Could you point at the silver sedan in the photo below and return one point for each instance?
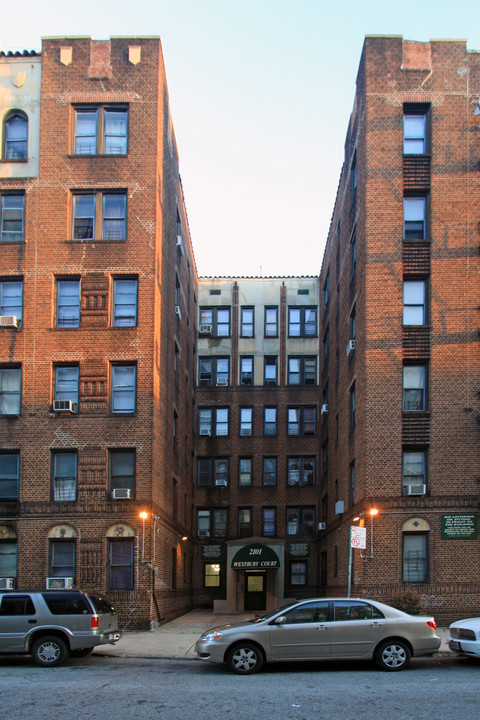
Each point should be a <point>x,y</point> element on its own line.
<point>321,629</point>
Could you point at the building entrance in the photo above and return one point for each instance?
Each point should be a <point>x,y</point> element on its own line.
<point>255,590</point>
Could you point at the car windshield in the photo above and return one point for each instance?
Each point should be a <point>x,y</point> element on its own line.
<point>101,604</point>
<point>271,614</point>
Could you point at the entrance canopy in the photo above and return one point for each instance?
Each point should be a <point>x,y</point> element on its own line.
<point>255,557</point>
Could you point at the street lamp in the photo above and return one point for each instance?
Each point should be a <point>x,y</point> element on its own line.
<point>372,512</point>
<point>143,515</point>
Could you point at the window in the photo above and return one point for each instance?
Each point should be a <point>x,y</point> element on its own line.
<point>353,253</point>
<point>15,133</point>
<point>123,389</point>
<point>414,468</point>
<point>64,476</point>
<point>415,129</point>
<point>218,319</point>
<point>9,477</point>
<point>246,421</point>
<point>298,576</point>
<point>124,302</point>
<point>271,322</point>
<point>326,290</point>
<point>302,370</point>
<point>212,523</point>
<point>244,522</point>
<point>247,319</point>
<point>353,323</point>
<point>301,471</point>
<point>10,390</point>
<point>354,176</point>
<point>270,371</point>
<point>326,345</point>
<point>213,371</point>
<point>346,610</point>
<point>212,471</point>
<point>353,401</point>
<point>414,385</point>
<point>301,421</point>
<point>12,225</point>
<point>99,216</point>
<point>246,371</point>
<point>269,471</point>
<point>414,218</point>
<point>325,458</point>
<point>300,520</point>
<point>11,299</point>
<point>270,421</point>
<point>66,384</point>
<point>414,307</point>
<point>213,421</point>
<point>62,558</point>
<point>68,303</point>
<point>302,321</point>
<point>415,558</point>
<point>8,560</point>
<point>245,472</point>
<point>100,130</point>
<point>122,470</point>
<point>211,577</point>
<point>269,522</point>
<point>120,564</point>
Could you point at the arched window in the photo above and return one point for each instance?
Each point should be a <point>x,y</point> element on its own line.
<point>16,136</point>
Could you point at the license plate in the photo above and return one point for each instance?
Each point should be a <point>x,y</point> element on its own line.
<point>453,645</point>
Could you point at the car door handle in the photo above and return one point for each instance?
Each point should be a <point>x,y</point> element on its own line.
<point>32,622</point>
<point>322,627</point>
<point>377,624</point>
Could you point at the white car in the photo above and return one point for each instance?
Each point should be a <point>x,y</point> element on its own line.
<point>465,637</point>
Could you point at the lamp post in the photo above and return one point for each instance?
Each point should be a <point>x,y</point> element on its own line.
<point>372,513</point>
<point>143,516</point>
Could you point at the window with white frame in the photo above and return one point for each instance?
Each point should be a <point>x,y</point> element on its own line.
<point>61,559</point>
<point>245,472</point>
<point>415,129</point>
<point>302,321</point>
<point>15,134</point>
<point>414,302</point>
<point>68,304</point>
<point>270,421</point>
<point>122,470</point>
<point>12,221</point>
<point>125,292</point>
<point>271,322</point>
<point>123,389</point>
<point>218,319</point>
<point>9,476</point>
<point>415,556</point>
<point>269,522</point>
<point>246,421</point>
<point>270,370</point>
<point>300,520</point>
<point>64,476</point>
<point>414,469</point>
<point>302,370</point>
<point>269,476</point>
<point>100,130</point>
<point>10,384</point>
<point>246,371</point>
<point>414,218</point>
<point>212,574</point>
<point>120,563</point>
<point>212,523</point>
<point>301,421</point>
<point>414,387</point>
<point>212,471</point>
<point>101,215</point>
<point>213,371</point>
<point>301,471</point>
<point>66,382</point>
<point>247,322</point>
<point>11,299</point>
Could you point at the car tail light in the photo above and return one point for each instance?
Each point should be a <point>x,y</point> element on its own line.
<point>432,624</point>
<point>94,622</point>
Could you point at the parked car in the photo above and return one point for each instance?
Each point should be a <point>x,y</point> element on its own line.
<point>322,629</point>
<point>52,625</point>
<point>465,637</point>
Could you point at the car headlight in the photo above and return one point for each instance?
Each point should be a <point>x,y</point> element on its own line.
<point>212,636</point>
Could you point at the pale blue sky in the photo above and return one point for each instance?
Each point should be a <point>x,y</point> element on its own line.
<point>261,92</point>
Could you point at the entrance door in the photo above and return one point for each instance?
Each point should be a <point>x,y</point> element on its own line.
<point>255,590</point>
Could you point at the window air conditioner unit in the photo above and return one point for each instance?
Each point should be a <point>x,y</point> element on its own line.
<point>350,346</point>
<point>245,431</point>
<point>222,381</point>
<point>7,583</point>
<point>63,406</point>
<point>204,533</point>
<point>339,507</point>
<point>205,432</point>
<point>8,321</point>
<point>205,329</point>
<point>178,312</point>
<point>270,383</point>
<point>221,483</point>
<point>180,244</point>
<point>121,494</point>
<point>416,489</point>
<point>324,410</point>
<point>322,526</point>
<point>59,583</point>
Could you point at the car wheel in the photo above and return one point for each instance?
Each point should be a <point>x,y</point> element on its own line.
<point>392,655</point>
<point>81,653</point>
<point>49,651</point>
<point>245,658</point>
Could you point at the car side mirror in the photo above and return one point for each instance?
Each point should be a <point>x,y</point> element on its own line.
<point>281,620</point>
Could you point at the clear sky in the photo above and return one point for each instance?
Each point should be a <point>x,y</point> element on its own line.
<point>261,92</point>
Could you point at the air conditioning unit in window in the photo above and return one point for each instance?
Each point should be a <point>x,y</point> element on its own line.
<point>59,583</point>
<point>205,329</point>
<point>7,583</point>
<point>245,431</point>
<point>204,533</point>
<point>8,321</point>
<point>180,244</point>
<point>121,494</point>
<point>322,526</point>
<point>324,410</point>
<point>416,489</point>
<point>178,312</point>
<point>221,483</point>
<point>350,346</point>
<point>206,432</point>
<point>222,381</point>
<point>64,406</point>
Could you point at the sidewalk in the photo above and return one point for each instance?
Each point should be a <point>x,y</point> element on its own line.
<point>176,639</point>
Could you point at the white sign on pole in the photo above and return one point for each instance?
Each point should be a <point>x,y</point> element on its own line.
<point>358,537</point>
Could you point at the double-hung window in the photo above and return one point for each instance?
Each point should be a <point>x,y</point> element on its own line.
<point>12,222</point>
<point>10,384</point>
<point>269,522</point>
<point>414,302</point>
<point>414,387</point>
<point>300,520</point>
<point>15,133</point>
<point>415,549</point>
<point>301,421</point>
<point>120,564</point>
<point>213,421</point>
<point>245,472</point>
<point>270,370</point>
<point>302,321</point>
<point>244,522</point>
<point>271,322</point>
<point>246,371</point>
<point>8,559</point>
<point>212,523</point>
<point>415,129</point>
<point>11,299</point>
<point>121,470</point>
<point>68,304</point>
<point>100,216</point>
<point>123,388</point>
<point>414,218</point>
<point>414,470</point>
<point>217,320</point>
<point>124,302</point>
<point>301,471</point>
<point>62,558</point>
<point>212,471</point>
<point>270,421</point>
<point>213,371</point>
<point>64,476</point>
<point>100,130</point>
<point>66,382</point>
<point>9,476</point>
<point>246,421</point>
<point>247,322</point>
<point>302,370</point>
<point>269,471</point>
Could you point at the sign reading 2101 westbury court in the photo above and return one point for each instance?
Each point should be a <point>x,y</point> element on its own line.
<point>255,557</point>
<point>459,526</point>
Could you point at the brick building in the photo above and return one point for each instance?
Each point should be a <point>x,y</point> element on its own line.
<point>249,419</point>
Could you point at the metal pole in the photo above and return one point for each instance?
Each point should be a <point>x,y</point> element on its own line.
<point>349,574</point>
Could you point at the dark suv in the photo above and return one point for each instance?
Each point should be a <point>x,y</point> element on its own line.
<point>53,625</point>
